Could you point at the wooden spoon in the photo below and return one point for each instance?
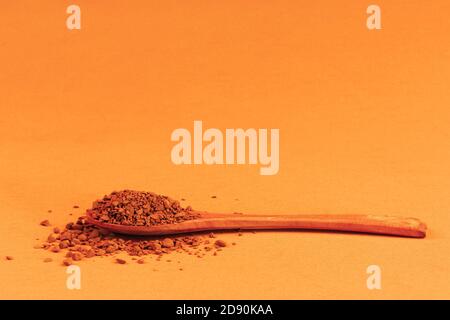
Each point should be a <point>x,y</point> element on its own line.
<point>372,224</point>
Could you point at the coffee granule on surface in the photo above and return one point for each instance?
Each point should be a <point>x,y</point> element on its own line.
<point>45,223</point>
<point>9,258</point>
<point>167,243</point>
<point>55,249</point>
<point>138,208</point>
<point>220,243</point>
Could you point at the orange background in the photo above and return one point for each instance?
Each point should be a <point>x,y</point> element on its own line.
<point>364,128</point>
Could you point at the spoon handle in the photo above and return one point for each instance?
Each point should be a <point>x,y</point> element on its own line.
<point>374,224</point>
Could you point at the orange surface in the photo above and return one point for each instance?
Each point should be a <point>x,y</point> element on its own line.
<point>364,128</point>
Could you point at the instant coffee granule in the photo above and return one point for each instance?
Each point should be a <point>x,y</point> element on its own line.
<point>45,223</point>
<point>220,243</point>
<point>82,240</point>
<point>137,208</point>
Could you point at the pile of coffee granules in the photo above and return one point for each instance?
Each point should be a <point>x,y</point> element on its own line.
<point>137,208</point>
<point>80,239</point>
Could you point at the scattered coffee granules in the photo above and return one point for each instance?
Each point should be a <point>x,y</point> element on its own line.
<point>9,258</point>
<point>138,208</point>
<point>81,240</point>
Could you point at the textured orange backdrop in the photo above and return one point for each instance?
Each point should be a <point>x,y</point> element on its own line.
<point>364,128</point>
